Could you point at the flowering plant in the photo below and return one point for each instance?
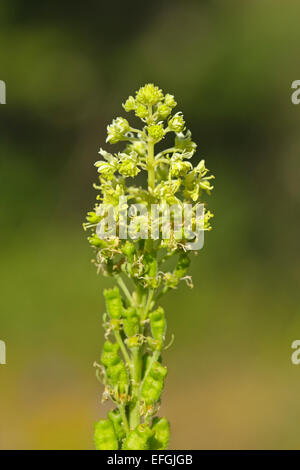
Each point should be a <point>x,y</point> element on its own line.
<point>134,250</point>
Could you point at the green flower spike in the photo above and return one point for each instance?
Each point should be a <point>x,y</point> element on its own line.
<point>134,251</point>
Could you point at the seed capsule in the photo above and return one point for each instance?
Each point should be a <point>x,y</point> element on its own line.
<point>161,428</point>
<point>158,324</point>
<point>115,368</point>
<point>113,302</point>
<point>104,436</point>
<point>139,438</point>
<point>116,419</point>
<point>153,383</point>
<point>131,323</point>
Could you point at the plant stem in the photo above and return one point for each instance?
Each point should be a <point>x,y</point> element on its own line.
<point>123,348</point>
<point>134,413</point>
<point>124,418</point>
<point>150,159</point>
<point>124,289</point>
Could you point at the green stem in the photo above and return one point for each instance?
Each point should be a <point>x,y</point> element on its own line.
<point>124,418</point>
<point>137,362</point>
<point>124,289</point>
<point>153,359</point>
<point>150,159</point>
<point>123,348</point>
<point>150,165</point>
<point>148,304</point>
<point>134,412</point>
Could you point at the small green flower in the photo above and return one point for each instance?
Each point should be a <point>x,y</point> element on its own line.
<point>149,95</point>
<point>176,123</point>
<point>129,104</point>
<point>163,111</point>
<point>117,129</point>
<point>184,142</point>
<point>141,111</point>
<point>170,101</point>
<point>179,167</point>
<point>128,164</point>
<point>156,132</point>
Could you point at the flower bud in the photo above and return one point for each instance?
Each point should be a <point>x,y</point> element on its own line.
<point>149,95</point>
<point>94,240</point>
<point>141,111</point>
<point>117,129</point>
<point>92,217</point>
<point>163,111</point>
<point>170,101</point>
<point>129,104</point>
<point>156,131</point>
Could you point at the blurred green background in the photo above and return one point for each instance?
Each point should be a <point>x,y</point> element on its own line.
<point>230,65</point>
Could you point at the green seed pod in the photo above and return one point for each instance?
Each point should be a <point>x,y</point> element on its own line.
<point>116,419</point>
<point>161,428</point>
<point>131,323</point>
<point>153,383</point>
<point>117,375</point>
<point>158,324</point>
<point>114,366</point>
<point>113,302</point>
<point>110,354</point>
<point>139,438</point>
<point>104,436</point>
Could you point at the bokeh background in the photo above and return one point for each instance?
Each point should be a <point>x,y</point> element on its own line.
<point>68,68</point>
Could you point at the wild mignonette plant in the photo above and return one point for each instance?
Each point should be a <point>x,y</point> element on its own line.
<point>147,252</point>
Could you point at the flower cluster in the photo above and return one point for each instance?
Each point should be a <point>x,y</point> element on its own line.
<point>131,366</point>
